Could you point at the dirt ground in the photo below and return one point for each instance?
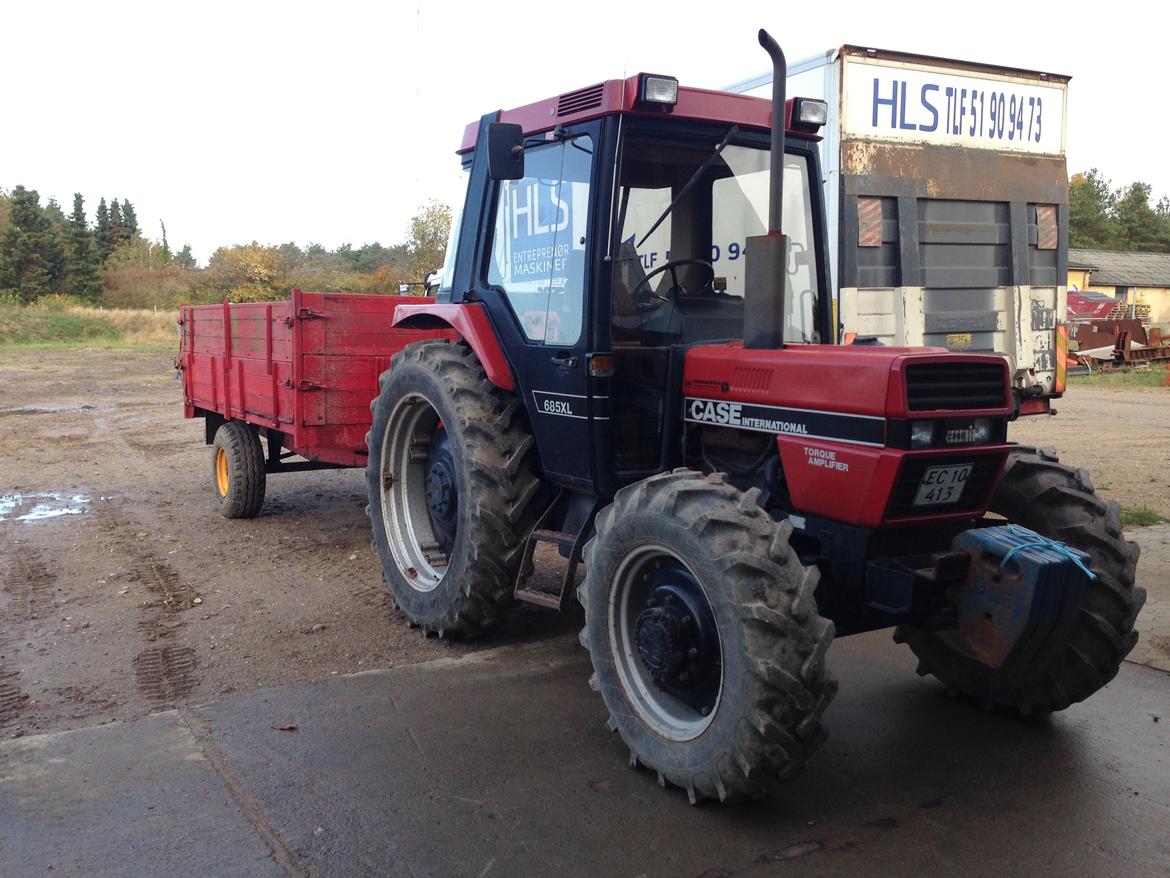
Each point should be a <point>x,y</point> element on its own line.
<point>124,592</point>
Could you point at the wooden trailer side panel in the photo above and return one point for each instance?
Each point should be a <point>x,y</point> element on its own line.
<point>307,366</point>
<point>346,342</point>
<point>238,361</point>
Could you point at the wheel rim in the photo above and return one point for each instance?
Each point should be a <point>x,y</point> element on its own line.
<point>417,491</point>
<point>222,479</point>
<point>665,643</point>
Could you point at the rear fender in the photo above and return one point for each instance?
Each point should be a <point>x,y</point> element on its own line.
<point>471,321</point>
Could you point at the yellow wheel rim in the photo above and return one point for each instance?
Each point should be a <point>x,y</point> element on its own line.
<point>221,471</point>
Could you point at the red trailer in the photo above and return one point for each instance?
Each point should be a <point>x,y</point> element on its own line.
<point>300,373</point>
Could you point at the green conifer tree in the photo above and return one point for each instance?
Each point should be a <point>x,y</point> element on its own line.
<point>164,254</point>
<point>183,258</point>
<point>82,262</point>
<point>129,220</point>
<point>27,247</point>
<point>103,232</point>
<point>117,224</point>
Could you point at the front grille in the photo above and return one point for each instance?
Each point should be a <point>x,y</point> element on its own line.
<point>975,492</point>
<point>955,386</point>
<point>582,99</point>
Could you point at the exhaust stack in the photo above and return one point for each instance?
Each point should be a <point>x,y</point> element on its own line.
<point>765,284</point>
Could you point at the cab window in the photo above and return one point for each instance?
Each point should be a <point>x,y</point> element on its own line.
<point>538,244</point>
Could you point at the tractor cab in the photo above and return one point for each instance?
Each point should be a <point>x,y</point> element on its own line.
<point>618,243</point>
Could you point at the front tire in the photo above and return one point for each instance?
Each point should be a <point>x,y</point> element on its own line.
<point>1058,502</point>
<point>704,635</point>
<point>452,488</point>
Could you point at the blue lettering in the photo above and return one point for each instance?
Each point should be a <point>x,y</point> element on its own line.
<point>962,111</point>
<point>933,126</point>
<point>891,102</point>
<point>902,123</point>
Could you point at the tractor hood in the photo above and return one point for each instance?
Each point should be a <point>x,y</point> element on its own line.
<point>867,381</point>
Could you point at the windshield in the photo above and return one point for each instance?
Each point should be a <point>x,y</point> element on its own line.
<point>694,257</point>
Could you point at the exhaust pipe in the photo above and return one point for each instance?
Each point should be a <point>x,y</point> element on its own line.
<point>766,271</point>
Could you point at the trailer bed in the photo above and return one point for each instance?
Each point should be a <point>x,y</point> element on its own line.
<point>303,371</point>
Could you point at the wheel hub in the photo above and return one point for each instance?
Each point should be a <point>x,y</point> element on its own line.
<point>677,639</point>
<point>663,636</point>
<point>442,493</point>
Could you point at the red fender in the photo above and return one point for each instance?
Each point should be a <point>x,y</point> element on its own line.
<point>471,322</point>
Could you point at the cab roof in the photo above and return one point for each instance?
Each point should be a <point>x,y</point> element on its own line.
<point>621,96</point>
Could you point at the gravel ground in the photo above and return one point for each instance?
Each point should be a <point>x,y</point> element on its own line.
<point>124,592</point>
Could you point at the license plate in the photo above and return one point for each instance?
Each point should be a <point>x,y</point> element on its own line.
<point>942,484</point>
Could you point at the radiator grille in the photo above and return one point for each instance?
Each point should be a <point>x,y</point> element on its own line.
<point>582,99</point>
<point>960,386</point>
<point>974,495</point>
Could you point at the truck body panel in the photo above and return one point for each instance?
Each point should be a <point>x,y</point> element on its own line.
<point>306,367</point>
<point>948,216</point>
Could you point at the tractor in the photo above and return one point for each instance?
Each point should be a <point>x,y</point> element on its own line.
<point>637,362</point>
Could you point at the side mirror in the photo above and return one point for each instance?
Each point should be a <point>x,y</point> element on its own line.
<point>505,151</point>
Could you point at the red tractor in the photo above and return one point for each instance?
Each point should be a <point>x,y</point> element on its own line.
<point>627,359</point>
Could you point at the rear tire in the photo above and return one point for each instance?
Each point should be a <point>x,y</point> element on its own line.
<point>238,478</point>
<point>773,683</point>
<point>452,488</point>
<point>1058,502</point>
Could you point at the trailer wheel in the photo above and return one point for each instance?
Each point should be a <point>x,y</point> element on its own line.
<point>451,486</point>
<point>237,470</point>
<point>1059,502</point>
<point>704,635</point>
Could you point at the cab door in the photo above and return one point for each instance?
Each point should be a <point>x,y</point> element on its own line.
<point>534,287</point>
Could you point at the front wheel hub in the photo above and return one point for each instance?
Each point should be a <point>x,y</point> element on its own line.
<point>663,633</point>
<point>677,639</point>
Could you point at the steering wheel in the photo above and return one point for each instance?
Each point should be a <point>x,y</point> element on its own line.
<point>675,287</point>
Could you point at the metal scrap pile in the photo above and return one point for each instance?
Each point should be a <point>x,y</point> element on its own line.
<point>1117,344</point>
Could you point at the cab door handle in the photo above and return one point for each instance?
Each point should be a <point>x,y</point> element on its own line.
<point>565,361</point>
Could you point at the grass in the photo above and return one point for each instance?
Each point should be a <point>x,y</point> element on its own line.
<point>1139,516</point>
<point>1134,379</point>
<point>70,325</point>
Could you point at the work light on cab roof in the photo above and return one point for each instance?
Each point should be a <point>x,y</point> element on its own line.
<point>809,114</point>
<point>657,91</point>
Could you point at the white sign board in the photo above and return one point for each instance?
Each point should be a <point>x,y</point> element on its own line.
<point>886,100</point>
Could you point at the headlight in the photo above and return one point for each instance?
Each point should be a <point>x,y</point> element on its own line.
<point>922,434</point>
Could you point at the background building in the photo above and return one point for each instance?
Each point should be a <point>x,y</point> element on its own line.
<point>1140,280</point>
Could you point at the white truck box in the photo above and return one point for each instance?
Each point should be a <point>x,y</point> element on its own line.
<point>947,197</point>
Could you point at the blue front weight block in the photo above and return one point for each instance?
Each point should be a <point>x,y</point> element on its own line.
<point>1021,590</point>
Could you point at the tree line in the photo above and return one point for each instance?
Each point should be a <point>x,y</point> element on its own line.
<point>1102,217</point>
<point>45,251</point>
<point>110,261</point>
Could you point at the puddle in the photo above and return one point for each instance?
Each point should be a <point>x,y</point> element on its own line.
<point>40,506</point>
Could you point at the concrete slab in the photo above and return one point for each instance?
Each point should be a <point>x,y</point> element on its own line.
<point>121,799</point>
<point>500,765</point>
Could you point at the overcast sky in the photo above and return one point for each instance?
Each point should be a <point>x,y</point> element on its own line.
<point>334,122</point>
